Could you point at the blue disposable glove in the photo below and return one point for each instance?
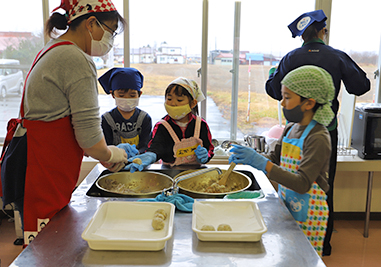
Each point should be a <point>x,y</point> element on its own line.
<point>201,154</point>
<point>130,149</point>
<point>146,158</point>
<point>248,156</point>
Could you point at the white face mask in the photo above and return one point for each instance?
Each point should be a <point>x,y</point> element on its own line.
<point>126,104</point>
<point>102,47</point>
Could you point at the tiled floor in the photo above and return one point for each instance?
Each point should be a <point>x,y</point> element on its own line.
<point>8,251</point>
<point>349,247</point>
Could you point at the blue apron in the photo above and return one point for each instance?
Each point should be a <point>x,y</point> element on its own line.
<point>310,210</point>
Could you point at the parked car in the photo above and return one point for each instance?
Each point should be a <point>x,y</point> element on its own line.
<point>99,64</point>
<point>11,78</point>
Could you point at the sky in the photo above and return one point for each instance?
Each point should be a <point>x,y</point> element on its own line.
<point>263,25</point>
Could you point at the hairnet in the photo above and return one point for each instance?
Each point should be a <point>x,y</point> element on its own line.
<point>313,82</point>
<point>191,86</point>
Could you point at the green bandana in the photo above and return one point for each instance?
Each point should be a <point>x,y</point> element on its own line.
<point>313,82</point>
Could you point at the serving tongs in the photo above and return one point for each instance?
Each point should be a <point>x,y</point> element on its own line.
<point>175,189</point>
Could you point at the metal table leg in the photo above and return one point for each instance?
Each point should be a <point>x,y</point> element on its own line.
<point>368,201</point>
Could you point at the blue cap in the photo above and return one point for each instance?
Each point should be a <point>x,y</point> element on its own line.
<point>298,26</point>
<point>121,78</point>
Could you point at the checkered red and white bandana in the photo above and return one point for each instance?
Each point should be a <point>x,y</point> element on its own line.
<point>77,8</point>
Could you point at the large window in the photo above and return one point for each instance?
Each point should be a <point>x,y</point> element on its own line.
<point>362,44</point>
<point>177,34</point>
<point>166,41</point>
<point>359,40</point>
<point>20,39</point>
<point>263,39</point>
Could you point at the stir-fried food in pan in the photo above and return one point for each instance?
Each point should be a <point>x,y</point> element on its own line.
<point>210,185</point>
<point>120,188</point>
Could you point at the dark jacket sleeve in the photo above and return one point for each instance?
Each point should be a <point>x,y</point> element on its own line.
<point>206,138</point>
<point>273,85</point>
<point>354,78</point>
<point>161,143</point>
<point>145,134</point>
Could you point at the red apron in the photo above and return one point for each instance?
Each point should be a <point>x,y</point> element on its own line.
<point>54,161</point>
<point>53,165</point>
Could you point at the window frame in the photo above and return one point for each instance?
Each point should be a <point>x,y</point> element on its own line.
<point>326,5</point>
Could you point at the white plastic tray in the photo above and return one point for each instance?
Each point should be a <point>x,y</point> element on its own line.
<point>122,225</point>
<point>243,216</point>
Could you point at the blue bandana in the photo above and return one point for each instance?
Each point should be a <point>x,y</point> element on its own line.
<point>298,26</point>
<point>121,78</point>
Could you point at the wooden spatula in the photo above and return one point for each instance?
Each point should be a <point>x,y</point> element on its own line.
<point>226,174</point>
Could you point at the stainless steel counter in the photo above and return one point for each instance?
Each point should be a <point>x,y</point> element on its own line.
<point>60,242</point>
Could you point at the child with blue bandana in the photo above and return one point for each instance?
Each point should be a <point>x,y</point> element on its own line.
<point>126,124</point>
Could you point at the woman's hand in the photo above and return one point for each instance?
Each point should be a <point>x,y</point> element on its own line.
<point>113,167</point>
<point>117,160</point>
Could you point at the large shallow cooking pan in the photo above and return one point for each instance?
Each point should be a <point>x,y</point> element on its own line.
<point>194,186</point>
<point>137,184</point>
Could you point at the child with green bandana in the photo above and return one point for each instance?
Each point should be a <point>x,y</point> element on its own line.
<point>300,159</point>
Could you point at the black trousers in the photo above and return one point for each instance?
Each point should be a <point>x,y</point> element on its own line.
<point>331,177</point>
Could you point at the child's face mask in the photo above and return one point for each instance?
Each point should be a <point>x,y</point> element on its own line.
<point>126,104</point>
<point>295,114</point>
<point>177,112</point>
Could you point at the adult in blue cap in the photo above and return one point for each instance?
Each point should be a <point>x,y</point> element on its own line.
<point>298,26</point>
<point>311,27</point>
<point>126,125</point>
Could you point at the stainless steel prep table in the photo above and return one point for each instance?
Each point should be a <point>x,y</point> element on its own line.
<point>60,242</point>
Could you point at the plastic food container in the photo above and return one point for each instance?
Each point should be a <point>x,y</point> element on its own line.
<point>243,216</point>
<point>122,225</point>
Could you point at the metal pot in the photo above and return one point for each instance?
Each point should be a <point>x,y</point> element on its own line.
<point>237,180</point>
<point>137,184</point>
<point>256,141</point>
